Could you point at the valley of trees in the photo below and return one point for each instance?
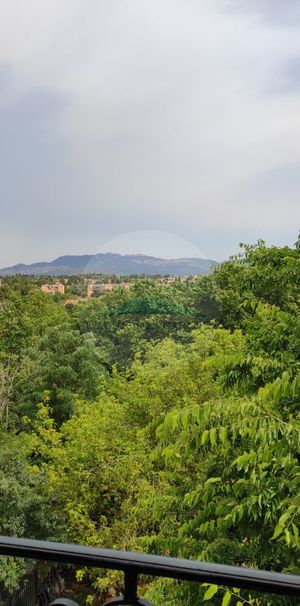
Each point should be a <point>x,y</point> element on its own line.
<point>160,419</point>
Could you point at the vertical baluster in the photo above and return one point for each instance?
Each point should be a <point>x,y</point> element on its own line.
<point>130,597</point>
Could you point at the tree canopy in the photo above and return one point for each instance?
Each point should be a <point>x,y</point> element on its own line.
<point>158,418</point>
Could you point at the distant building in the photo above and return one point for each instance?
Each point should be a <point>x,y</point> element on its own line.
<point>189,279</point>
<point>52,289</point>
<point>95,288</point>
<point>167,280</point>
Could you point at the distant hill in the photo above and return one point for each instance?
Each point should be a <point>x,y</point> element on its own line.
<point>112,263</point>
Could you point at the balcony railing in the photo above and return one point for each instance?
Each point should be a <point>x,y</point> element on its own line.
<point>134,564</point>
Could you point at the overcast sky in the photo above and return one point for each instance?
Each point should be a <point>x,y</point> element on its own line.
<point>118,116</point>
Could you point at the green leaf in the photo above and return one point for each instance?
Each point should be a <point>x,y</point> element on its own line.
<point>278,530</point>
<point>286,515</point>
<point>210,592</point>
<point>213,436</point>
<point>296,530</point>
<point>212,481</point>
<point>223,435</point>
<point>204,437</point>
<point>226,599</point>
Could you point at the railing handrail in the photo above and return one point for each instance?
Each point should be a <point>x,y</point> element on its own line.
<point>160,566</point>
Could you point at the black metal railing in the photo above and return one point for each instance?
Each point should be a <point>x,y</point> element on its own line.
<point>134,564</point>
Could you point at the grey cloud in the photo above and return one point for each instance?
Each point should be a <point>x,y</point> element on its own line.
<point>5,78</point>
<point>32,158</point>
<point>288,77</point>
<point>278,183</point>
<point>136,115</point>
<point>278,12</point>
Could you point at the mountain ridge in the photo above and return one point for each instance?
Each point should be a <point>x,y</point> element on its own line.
<point>112,263</point>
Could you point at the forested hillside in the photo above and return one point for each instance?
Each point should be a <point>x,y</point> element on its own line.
<point>162,419</point>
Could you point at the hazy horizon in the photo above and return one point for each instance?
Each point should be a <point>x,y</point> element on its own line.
<point>131,251</point>
<point>177,118</point>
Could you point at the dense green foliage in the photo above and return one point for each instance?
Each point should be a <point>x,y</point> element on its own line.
<point>158,418</point>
